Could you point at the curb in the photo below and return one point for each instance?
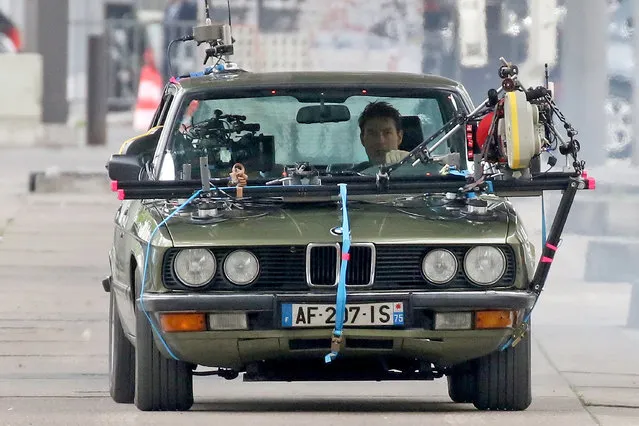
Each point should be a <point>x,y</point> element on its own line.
<point>53,181</point>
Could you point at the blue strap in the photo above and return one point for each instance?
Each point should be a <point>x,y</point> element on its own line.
<point>340,304</point>
<point>146,262</point>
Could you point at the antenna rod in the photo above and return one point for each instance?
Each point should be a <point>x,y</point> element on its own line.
<point>208,12</point>
<point>546,75</point>
<point>228,2</point>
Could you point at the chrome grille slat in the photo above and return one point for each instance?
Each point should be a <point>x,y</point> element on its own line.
<point>322,265</point>
<point>360,271</point>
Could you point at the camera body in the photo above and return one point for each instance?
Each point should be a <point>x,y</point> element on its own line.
<point>226,139</point>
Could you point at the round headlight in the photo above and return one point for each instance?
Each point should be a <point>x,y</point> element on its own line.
<point>195,267</point>
<point>241,267</point>
<point>485,265</point>
<point>439,266</point>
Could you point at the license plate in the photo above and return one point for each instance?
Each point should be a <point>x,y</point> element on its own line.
<point>363,314</point>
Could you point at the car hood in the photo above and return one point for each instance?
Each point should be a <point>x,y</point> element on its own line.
<point>411,222</point>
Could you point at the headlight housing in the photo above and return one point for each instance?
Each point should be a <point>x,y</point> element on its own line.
<point>485,265</point>
<point>440,266</point>
<point>241,267</point>
<point>195,267</point>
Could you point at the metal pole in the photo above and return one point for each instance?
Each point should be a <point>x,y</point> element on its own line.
<point>200,51</point>
<point>635,91</point>
<point>46,32</point>
<point>584,76</point>
<point>97,90</point>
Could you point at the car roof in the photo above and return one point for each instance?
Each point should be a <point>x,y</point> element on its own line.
<point>243,79</point>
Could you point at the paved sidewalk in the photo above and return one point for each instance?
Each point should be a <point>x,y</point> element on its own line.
<point>16,164</point>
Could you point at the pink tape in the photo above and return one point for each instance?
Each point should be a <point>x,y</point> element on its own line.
<point>346,256</point>
<point>173,80</point>
<point>551,247</point>
<point>546,260</point>
<point>590,182</point>
<point>114,185</point>
<point>120,194</point>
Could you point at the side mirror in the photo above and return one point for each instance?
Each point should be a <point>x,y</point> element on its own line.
<point>124,167</point>
<point>130,162</point>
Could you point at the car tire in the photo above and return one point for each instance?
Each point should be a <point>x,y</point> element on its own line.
<point>121,358</point>
<point>503,378</point>
<point>161,384</point>
<point>461,386</point>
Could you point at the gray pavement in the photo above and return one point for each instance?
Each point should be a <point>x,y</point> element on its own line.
<point>54,335</point>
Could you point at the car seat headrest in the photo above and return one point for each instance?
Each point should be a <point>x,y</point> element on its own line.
<point>413,134</point>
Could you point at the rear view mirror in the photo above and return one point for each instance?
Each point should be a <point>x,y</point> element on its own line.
<point>323,114</point>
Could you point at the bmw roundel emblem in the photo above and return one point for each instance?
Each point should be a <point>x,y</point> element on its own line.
<point>337,231</point>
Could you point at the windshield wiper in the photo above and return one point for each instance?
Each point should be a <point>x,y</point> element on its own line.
<point>306,174</point>
<point>345,173</point>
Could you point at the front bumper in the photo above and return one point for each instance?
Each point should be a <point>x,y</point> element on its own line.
<point>171,302</point>
<point>266,338</point>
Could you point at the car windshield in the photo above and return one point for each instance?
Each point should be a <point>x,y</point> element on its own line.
<point>269,130</point>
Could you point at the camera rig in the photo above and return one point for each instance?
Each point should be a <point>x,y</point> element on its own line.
<point>519,127</point>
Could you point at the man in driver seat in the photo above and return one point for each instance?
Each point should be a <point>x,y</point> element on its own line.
<point>381,133</point>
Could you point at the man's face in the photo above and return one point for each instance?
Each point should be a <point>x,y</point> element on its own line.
<point>379,136</point>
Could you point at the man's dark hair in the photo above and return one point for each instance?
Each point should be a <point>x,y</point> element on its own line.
<point>380,110</point>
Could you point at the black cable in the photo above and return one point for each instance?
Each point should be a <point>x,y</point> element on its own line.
<point>168,57</point>
<point>168,51</point>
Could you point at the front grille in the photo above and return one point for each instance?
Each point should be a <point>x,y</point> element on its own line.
<point>294,268</point>
<point>324,261</point>
<point>281,269</point>
<point>400,267</point>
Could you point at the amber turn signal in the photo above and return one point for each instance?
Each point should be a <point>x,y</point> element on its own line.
<point>183,322</point>
<point>494,319</point>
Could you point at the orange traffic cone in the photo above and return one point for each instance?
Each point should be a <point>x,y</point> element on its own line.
<point>149,93</point>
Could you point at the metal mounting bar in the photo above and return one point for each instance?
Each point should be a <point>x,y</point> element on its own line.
<point>554,236</point>
<point>193,184</point>
<point>511,187</point>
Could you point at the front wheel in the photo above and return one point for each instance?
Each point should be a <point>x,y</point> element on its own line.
<point>121,358</point>
<point>461,386</point>
<point>503,378</point>
<point>161,384</point>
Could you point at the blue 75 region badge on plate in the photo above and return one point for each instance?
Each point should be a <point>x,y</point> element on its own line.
<point>297,315</point>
